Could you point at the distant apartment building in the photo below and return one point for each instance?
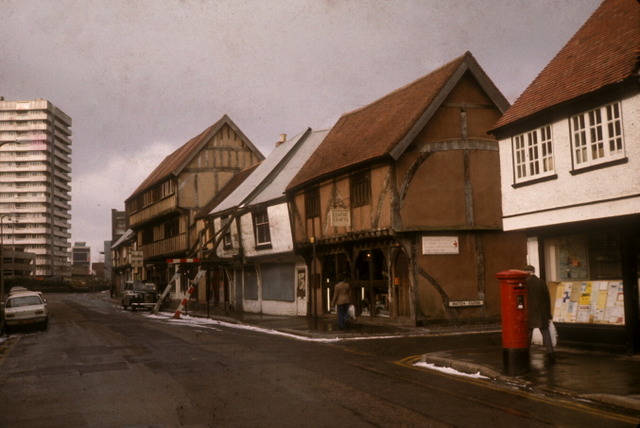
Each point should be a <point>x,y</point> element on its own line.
<point>35,168</point>
<point>81,256</point>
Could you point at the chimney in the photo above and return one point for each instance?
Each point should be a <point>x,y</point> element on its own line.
<point>283,139</point>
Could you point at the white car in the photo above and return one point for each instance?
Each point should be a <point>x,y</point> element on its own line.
<point>26,307</point>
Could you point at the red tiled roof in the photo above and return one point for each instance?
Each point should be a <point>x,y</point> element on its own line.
<point>173,164</point>
<point>604,51</point>
<point>373,131</point>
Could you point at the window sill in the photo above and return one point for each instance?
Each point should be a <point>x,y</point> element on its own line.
<point>535,181</point>
<point>599,166</point>
<point>263,247</point>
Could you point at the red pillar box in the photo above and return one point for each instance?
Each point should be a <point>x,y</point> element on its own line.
<point>515,328</point>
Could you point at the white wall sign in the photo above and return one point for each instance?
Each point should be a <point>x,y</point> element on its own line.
<point>465,303</point>
<point>440,245</point>
<point>340,217</point>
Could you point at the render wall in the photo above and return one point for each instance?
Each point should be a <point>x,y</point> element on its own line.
<point>605,192</point>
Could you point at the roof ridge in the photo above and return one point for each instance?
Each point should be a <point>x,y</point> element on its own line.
<point>459,59</point>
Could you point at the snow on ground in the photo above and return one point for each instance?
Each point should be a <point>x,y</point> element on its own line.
<point>211,323</point>
<point>449,370</point>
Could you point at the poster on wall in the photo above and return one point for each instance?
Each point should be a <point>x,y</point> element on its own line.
<point>615,303</point>
<point>589,302</point>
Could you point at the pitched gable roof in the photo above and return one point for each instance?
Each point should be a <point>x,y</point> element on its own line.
<point>174,163</point>
<point>269,180</point>
<point>604,51</point>
<point>387,126</point>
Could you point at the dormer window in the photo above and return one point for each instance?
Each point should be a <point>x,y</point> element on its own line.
<point>597,136</point>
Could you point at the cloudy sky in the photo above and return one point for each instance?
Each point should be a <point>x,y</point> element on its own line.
<point>141,77</point>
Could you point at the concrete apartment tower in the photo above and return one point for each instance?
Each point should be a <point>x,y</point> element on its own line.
<point>35,177</point>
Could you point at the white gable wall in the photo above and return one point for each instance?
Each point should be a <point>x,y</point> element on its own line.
<point>280,229</point>
<point>605,192</point>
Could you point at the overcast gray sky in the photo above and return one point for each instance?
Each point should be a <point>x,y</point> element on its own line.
<point>140,78</point>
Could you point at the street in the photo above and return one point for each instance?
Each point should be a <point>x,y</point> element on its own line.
<point>100,366</point>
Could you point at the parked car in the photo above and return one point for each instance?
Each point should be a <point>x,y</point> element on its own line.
<point>138,294</point>
<point>26,307</point>
<point>17,290</point>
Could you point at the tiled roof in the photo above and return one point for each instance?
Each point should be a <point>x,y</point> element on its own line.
<point>173,164</point>
<point>604,51</point>
<point>386,125</point>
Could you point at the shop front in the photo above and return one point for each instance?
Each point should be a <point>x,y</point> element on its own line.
<point>592,273</point>
<point>366,268</point>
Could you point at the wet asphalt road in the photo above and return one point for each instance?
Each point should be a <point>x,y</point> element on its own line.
<point>100,366</point>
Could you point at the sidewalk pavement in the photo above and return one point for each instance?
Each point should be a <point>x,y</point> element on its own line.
<point>576,373</point>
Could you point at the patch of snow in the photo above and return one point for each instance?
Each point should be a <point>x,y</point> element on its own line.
<point>200,322</point>
<point>449,370</point>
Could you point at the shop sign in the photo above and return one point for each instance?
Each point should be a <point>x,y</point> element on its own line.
<point>136,258</point>
<point>440,245</point>
<point>465,303</point>
<point>340,217</point>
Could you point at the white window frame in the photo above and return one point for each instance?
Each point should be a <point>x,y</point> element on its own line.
<point>533,155</point>
<point>261,228</point>
<point>597,136</point>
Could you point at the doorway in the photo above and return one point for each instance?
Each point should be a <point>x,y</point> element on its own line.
<point>401,287</point>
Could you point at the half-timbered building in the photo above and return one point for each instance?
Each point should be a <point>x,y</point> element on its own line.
<point>162,210</point>
<point>403,198</point>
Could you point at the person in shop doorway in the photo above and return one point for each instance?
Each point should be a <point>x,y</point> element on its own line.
<point>341,300</point>
<point>539,309</point>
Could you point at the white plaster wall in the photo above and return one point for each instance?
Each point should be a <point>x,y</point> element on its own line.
<point>605,192</point>
<point>220,250</point>
<point>280,229</point>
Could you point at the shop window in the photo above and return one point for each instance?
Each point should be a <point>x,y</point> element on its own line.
<point>586,286</point>
<point>588,257</point>
<point>605,260</point>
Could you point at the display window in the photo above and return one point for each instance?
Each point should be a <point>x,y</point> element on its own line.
<point>585,278</point>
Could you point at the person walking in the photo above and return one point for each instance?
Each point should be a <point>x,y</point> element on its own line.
<point>341,300</point>
<point>539,309</point>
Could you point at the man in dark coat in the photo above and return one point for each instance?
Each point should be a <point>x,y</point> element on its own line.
<point>341,299</point>
<point>539,309</point>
